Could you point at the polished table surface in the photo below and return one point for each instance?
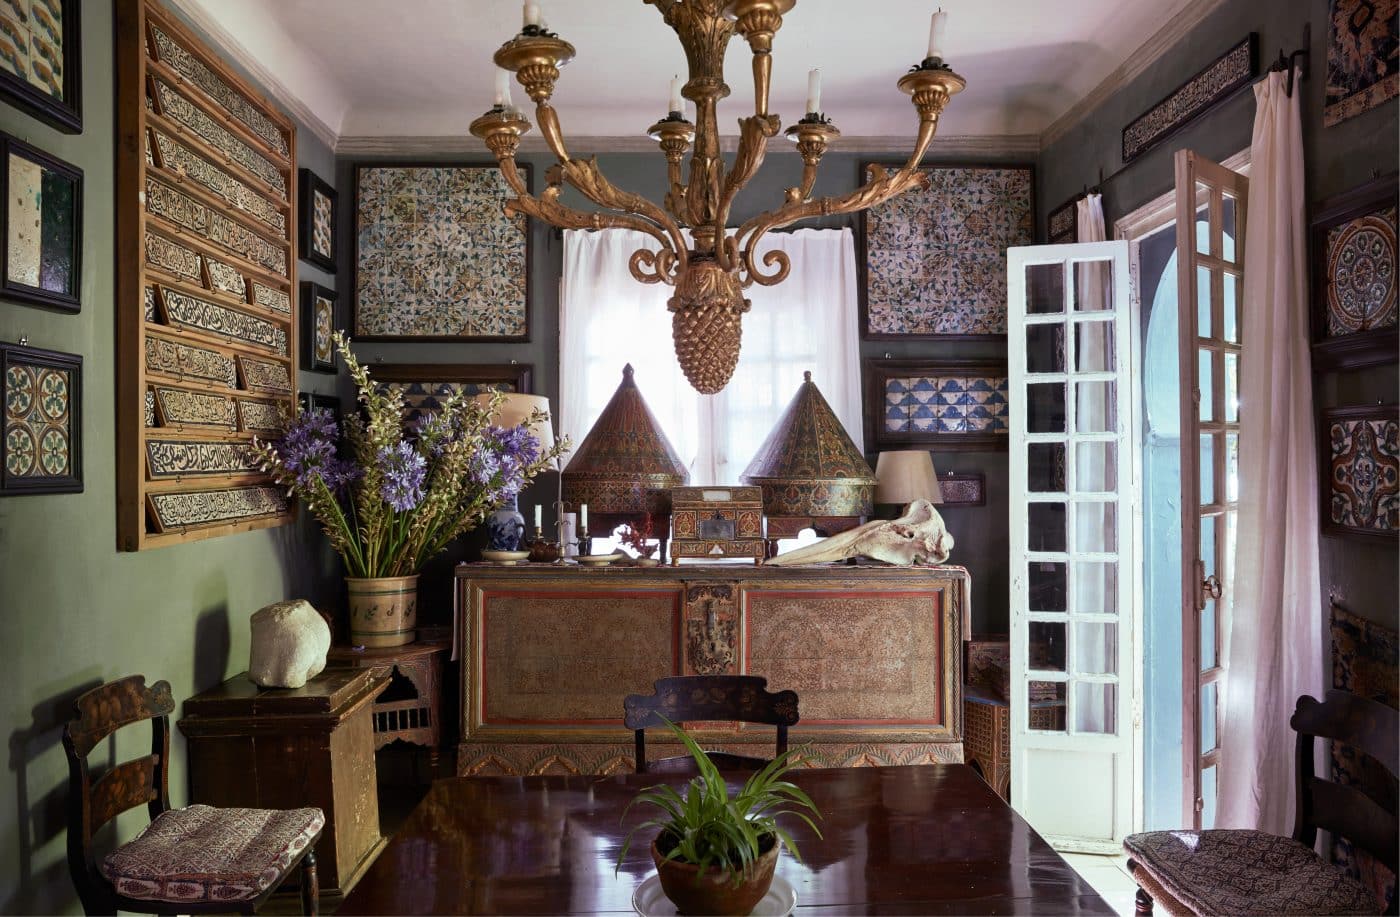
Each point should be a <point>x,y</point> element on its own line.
<point>930,839</point>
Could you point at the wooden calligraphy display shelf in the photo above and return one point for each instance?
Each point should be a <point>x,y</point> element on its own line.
<point>206,269</point>
<point>271,748</point>
<point>548,654</point>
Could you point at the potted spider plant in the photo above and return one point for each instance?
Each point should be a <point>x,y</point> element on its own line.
<point>714,853</point>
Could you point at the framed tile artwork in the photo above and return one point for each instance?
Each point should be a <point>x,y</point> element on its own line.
<point>319,323</point>
<point>426,386</point>
<point>1363,69</point>
<point>436,257</point>
<point>41,60</point>
<point>316,220</point>
<point>1062,225</point>
<point>1354,260</point>
<point>43,430</point>
<point>1360,470</point>
<point>1228,74</point>
<point>933,262</point>
<point>43,219</point>
<point>949,405</point>
<point>313,401</point>
<point>963,489</point>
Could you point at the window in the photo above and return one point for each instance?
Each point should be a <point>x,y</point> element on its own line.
<point>806,323</point>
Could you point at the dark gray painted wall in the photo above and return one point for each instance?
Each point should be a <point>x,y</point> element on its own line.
<point>980,532</point>
<point>74,611</point>
<point>1362,575</point>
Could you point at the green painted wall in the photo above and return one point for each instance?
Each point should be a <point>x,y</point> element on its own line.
<point>74,611</point>
<point>1362,575</point>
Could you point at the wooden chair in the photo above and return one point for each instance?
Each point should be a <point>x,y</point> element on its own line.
<point>1225,871</point>
<point>709,698</point>
<point>196,860</point>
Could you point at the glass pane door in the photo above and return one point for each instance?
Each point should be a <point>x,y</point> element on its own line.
<point>1210,219</point>
<point>1072,548</point>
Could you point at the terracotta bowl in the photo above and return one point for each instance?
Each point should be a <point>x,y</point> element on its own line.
<point>715,892</point>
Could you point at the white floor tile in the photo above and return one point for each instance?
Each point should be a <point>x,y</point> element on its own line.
<point>1107,875</point>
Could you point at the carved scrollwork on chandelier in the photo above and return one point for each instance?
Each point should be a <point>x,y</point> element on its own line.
<point>711,272</point>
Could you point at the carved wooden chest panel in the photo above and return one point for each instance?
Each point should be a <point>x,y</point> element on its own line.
<point>547,656</point>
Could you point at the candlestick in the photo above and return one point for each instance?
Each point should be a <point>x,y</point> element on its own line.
<point>814,90</point>
<point>532,13</point>
<point>937,27</point>
<point>502,88</point>
<point>539,517</point>
<point>677,103</point>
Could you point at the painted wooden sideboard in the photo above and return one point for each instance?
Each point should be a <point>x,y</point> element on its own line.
<point>548,653</point>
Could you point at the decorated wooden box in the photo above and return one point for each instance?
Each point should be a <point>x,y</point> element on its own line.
<point>713,522</point>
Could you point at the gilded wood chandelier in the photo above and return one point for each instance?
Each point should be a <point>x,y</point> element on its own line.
<point>710,278</point>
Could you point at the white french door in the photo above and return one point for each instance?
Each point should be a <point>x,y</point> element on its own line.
<point>1210,218</point>
<point>1073,543</point>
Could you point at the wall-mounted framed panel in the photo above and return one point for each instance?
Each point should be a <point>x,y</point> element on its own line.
<point>207,327</point>
<point>41,55</point>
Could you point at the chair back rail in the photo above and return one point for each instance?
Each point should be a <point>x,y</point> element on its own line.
<point>140,781</point>
<point>1370,728</point>
<point>710,698</point>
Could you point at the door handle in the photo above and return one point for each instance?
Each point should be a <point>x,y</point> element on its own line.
<point>1211,586</point>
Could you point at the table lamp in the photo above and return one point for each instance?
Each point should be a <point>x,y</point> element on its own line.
<point>905,476</point>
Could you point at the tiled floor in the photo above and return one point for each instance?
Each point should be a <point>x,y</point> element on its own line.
<point>1109,877</point>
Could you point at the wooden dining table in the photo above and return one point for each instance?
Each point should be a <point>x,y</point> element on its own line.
<point>927,839</point>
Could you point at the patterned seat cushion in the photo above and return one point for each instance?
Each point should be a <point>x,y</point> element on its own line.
<point>206,854</point>
<point>1246,872</point>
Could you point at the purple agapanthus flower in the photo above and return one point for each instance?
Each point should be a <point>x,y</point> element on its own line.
<point>499,466</point>
<point>308,448</point>
<point>438,427</point>
<point>404,472</point>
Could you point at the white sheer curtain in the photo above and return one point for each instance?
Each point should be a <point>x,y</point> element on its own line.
<point>807,322</point>
<point>1275,646</point>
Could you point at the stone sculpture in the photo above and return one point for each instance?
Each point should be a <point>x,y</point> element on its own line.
<point>290,641</point>
<point>918,536</point>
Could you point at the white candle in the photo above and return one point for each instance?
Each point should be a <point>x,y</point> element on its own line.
<point>676,101</point>
<point>814,90</point>
<point>532,13</point>
<point>502,87</point>
<point>936,30</point>
<point>539,516</point>
<point>583,518</point>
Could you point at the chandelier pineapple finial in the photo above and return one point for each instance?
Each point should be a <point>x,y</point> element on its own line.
<point>710,276</point>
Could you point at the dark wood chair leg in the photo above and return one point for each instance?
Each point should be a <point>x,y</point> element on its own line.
<point>310,885</point>
<point>1142,902</point>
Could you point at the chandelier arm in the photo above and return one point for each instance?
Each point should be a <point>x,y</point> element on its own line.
<point>754,134</point>
<point>584,175</point>
<point>548,120</point>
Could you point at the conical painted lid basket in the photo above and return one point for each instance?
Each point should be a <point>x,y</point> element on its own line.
<point>625,465</point>
<point>808,465</point>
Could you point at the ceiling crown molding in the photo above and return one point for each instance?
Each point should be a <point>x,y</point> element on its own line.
<point>201,19</point>
<point>1162,41</point>
<point>1006,146</point>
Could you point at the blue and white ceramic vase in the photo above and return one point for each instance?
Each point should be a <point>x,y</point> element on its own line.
<point>506,526</point>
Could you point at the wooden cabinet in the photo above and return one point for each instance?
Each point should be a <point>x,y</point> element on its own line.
<point>271,748</point>
<point>548,654</point>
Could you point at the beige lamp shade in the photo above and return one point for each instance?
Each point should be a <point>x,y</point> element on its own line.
<point>902,477</point>
<point>514,410</point>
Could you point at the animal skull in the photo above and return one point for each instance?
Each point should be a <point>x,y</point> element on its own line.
<point>918,536</point>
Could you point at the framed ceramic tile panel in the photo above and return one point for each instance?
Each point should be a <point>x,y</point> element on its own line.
<point>319,324</point>
<point>1354,261</point>
<point>425,386</point>
<point>1228,74</point>
<point>43,219</point>
<point>41,60</point>
<point>1062,225</point>
<point>320,209</point>
<point>41,444</point>
<point>314,401</point>
<point>948,405</point>
<point>933,262</point>
<point>1363,69</point>
<point>436,258</point>
<point>963,489</point>
<point>1360,471</point>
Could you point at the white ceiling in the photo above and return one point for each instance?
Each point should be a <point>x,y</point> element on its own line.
<point>422,68</point>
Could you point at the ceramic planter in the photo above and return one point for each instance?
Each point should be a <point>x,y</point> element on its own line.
<point>714,892</point>
<point>383,610</point>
